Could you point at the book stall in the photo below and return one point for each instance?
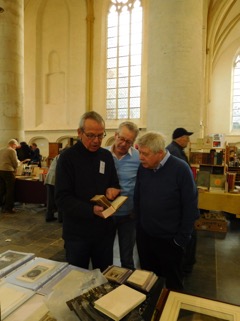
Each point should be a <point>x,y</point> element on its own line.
<point>38,289</point>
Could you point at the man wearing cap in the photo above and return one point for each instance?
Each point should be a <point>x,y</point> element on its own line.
<point>180,140</point>
<point>8,165</point>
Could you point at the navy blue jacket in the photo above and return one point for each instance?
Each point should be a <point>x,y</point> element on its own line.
<point>166,201</point>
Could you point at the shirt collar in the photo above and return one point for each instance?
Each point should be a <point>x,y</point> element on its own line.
<point>129,152</point>
<point>163,161</point>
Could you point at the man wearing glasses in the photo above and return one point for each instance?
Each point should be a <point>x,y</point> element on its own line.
<point>126,160</point>
<point>83,171</point>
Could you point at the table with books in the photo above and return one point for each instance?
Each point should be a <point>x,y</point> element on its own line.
<point>34,288</point>
<point>30,190</point>
<point>220,201</point>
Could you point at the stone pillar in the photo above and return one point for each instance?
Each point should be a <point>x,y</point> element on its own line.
<point>11,70</point>
<point>175,65</point>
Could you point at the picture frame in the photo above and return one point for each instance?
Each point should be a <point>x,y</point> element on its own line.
<point>10,260</point>
<point>177,306</point>
<point>35,273</point>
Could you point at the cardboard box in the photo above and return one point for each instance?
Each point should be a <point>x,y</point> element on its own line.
<point>212,225</point>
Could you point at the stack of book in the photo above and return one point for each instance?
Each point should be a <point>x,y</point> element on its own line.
<point>141,280</point>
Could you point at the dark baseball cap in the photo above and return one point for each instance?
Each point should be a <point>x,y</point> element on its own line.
<point>179,132</point>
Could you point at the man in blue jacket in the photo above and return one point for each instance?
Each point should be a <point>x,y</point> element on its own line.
<point>166,205</point>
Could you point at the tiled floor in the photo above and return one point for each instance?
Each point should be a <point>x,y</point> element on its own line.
<point>216,274</point>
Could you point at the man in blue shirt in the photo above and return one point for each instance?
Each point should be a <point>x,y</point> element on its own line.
<point>126,159</point>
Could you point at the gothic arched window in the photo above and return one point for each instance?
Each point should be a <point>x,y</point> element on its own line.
<point>236,95</point>
<point>124,59</point>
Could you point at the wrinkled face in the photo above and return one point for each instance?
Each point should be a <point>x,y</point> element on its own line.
<point>92,135</point>
<point>149,159</point>
<point>123,141</point>
<point>183,141</point>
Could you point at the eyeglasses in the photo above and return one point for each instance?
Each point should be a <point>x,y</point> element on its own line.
<point>92,136</point>
<point>123,140</point>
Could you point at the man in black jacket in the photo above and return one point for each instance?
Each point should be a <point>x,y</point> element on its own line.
<point>180,140</point>
<point>83,171</point>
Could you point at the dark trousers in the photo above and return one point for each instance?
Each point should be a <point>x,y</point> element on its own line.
<point>7,185</point>
<point>98,250</point>
<point>126,229</point>
<point>51,205</point>
<point>190,253</point>
<point>161,256</point>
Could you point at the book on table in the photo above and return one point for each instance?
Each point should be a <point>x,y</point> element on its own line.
<point>141,280</point>
<point>119,302</point>
<point>109,207</point>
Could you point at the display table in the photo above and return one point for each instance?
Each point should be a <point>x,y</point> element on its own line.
<point>218,201</point>
<point>30,191</point>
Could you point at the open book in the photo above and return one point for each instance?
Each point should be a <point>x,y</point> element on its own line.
<point>109,207</point>
<point>119,302</point>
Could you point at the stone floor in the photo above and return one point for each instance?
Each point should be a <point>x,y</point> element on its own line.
<point>216,274</point>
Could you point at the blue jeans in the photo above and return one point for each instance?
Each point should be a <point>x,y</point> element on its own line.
<point>125,226</point>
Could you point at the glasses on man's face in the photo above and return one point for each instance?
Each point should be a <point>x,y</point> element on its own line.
<point>91,136</point>
<point>123,140</point>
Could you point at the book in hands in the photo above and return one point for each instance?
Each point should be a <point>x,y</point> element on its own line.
<point>119,302</point>
<point>109,207</point>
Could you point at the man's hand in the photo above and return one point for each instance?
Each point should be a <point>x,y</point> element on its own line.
<point>112,193</point>
<point>97,210</point>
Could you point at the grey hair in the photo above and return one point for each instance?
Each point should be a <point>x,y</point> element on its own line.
<point>130,126</point>
<point>153,140</point>
<point>91,115</point>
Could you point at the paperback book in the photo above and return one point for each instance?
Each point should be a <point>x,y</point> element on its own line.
<point>109,207</point>
<point>10,260</point>
<point>35,273</point>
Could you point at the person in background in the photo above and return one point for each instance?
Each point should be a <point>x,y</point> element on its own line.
<point>8,165</point>
<point>50,185</point>
<point>83,171</point>
<point>23,151</point>
<point>126,159</point>
<point>180,140</point>
<point>35,155</point>
<point>166,205</point>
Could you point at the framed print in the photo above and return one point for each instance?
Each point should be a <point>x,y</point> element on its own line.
<point>35,273</point>
<point>176,306</point>
<point>10,260</point>
<point>117,274</point>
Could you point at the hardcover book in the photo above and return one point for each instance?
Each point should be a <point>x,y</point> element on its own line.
<point>35,273</point>
<point>119,302</point>
<point>109,207</point>
<point>10,260</point>
<point>142,280</point>
<point>117,274</point>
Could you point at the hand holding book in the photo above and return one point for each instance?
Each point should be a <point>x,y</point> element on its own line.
<point>109,207</point>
